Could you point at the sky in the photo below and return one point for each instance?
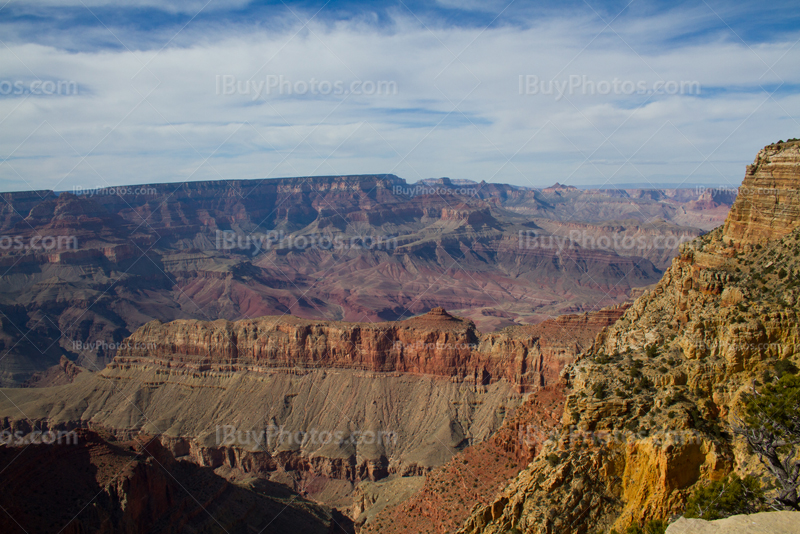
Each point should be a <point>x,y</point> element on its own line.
<point>588,93</point>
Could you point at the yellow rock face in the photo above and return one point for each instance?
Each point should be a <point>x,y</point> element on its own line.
<point>658,473</point>
<point>652,400</point>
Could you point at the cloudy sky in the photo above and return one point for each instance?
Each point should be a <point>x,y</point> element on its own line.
<point>94,93</point>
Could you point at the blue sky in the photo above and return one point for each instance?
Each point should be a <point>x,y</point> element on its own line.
<point>97,94</point>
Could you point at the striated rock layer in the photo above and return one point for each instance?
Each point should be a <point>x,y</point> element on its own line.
<point>81,272</point>
<point>436,344</point>
<point>648,418</point>
<point>768,204</point>
<point>318,406</point>
<point>473,476</point>
<point>87,484</point>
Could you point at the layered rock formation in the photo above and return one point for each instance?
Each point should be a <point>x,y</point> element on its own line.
<point>648,417</point>
<point>768,205</point>
<point>88,484</point>
<point>323,406</point>
<point>353,248</point>
<point>435,344</point>
<point>472,477</point>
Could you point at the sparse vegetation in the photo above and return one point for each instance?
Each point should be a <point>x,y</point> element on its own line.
<point>771,426</point>
<point>727,497</point>
<point>783,367</point>
<point>603,358</point>
<point>599,390</point>
<point>656,526</point>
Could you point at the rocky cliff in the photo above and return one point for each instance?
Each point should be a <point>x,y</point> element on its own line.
<point>88,484</point>
<point>768,204</point>
<point>648,415</point>
<point>83,270</point>
<point>435,344</point>
<point>319,406</point>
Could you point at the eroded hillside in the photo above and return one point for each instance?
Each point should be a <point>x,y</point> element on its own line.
<point>649,413</point>
<point>346,414</point>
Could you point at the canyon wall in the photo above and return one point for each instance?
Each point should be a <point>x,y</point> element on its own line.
<point>349,248</point>
<point>435,344</point>
<point>768,204</point>
<point>89,484</point>
<point>648,418</point>
<point>318,406</point>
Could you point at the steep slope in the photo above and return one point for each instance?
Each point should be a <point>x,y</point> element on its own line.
<point>768,205</point>
<point>87,484</point>
<point>648,416</point>
<point>318,406</point>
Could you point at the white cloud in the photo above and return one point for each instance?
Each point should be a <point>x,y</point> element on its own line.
<point>150,116</point>
<point>172,6</point>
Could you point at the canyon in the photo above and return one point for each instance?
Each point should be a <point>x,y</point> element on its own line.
<point>471,418</point>
<point>341,413</point>
<point>82,271</point>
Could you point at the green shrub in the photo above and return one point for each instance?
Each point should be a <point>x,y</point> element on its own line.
<point>599,390</point>
<point>727,497</point>
<point>603,358</point>
<point>783,367</point>
<point>657,526</point>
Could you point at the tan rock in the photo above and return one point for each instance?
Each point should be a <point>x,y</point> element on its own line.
<point>763,523</point>
<point>768,204</point>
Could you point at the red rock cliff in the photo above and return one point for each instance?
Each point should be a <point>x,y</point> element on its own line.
<point>433,344</point>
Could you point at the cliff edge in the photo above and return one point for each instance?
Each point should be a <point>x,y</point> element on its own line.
<point>648,416</point>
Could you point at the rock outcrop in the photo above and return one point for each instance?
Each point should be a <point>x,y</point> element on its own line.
<point>435,344</point>
<point>323,406</point>
<point>768,204</point>
<point>648,416</point>
<point>763,523</point>
<point>88,484</point>
<point>473,476</point>
<point>351,248</point>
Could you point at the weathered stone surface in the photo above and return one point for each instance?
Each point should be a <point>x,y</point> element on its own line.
<point>397,398</point>
<point>648,416</point>
<point>768,204</point>
<point>88,484</point>
<point>435,344</point>
<point>763,523</point>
